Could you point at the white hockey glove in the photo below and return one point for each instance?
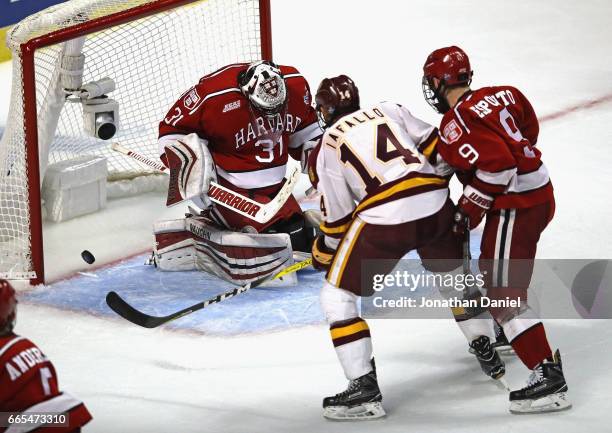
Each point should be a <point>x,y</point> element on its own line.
<point>191,170</point>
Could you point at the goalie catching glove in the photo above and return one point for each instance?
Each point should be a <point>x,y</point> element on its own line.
<point>191,170</point>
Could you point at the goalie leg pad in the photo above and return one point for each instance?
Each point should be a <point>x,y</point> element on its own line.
<point>238,258</point>
<point>174,249</point>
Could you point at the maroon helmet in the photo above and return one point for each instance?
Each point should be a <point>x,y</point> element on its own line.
<point>8,307</point>
<point>336,97</point>
<point>451,66</point>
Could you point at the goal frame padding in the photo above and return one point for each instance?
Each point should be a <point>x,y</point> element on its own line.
<point>28,49</point>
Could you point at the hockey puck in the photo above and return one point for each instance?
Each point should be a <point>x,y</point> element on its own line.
<point>88,257</point>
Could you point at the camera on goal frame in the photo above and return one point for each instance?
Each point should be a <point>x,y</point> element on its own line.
<point>100,113</point>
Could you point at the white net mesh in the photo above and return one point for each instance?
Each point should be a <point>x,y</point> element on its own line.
<point>152,61</point>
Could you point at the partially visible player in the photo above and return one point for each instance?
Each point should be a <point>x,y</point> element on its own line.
<point>490,137</point>
<point>381,198</point>
<point>238,126</point>
<point>28,382</point>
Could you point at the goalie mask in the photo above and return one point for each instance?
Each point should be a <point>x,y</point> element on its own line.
<point>264,85</point>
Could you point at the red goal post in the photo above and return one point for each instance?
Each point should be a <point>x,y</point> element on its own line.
<point>231,31</point>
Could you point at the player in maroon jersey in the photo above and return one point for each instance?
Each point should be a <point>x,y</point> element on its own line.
<point>250,118</point>
<point>28,382</point>
<point>238,126</point>
<point>489,136</point>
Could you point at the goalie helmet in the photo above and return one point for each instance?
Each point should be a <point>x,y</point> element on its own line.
<point>336,97</point>
<point>263,83</point>
<point>451,67</point>
<point>8,307</point>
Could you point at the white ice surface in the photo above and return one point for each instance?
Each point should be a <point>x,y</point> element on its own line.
<point>556,52</point>
<point>139,380</point>
<point>124,228</point>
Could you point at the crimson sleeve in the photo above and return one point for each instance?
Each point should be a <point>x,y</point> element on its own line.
<point>530,126</point>
<point>185,116</point>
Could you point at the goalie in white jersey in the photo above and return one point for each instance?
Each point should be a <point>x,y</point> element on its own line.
<point>381,197</point>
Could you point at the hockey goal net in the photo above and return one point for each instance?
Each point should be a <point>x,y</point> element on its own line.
<point>153,50</point>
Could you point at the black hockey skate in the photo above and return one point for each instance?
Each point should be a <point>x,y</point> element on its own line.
<point>490,362</point>
<point>360,401</point>
<point>545,391</point>
<point>502,345</point>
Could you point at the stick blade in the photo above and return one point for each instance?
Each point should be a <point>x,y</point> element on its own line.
<point>125,310</point>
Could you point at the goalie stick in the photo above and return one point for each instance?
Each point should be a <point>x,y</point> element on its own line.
<point>260,212</point>
<point>125,310</point>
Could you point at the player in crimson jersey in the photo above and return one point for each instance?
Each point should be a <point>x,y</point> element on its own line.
<point>28,382</point>
<point>238,126</point>
<point>251,119</point>
<point>489,136</point>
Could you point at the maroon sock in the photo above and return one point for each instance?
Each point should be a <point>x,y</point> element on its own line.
<point>532,346</point>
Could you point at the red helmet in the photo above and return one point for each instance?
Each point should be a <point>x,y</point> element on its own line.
<point>336,97</point>
<point>8,307</point>
<point>451,66</point>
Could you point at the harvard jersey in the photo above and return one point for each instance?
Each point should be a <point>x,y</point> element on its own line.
<point>491,134</point>
<point>250,150</point>
<point>369,164</point>
<point>28,383</point>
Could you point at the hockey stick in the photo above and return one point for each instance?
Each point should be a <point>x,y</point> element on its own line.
<point>125,310</point>
<point>467,253</point>
<point>260,212</point>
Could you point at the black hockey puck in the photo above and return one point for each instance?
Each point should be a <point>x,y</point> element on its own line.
<point>88,257</point>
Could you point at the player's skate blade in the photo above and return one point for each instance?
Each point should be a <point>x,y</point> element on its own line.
<point>552,403</point>
<point>362,412</point>
<point>545,391</point>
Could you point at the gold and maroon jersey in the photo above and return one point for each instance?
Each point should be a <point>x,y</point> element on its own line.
<point>369,164</point>
<point>490,136</point>
<point>250,150</point>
